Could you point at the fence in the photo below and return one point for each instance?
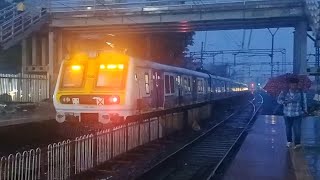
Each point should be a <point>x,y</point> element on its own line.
<point>24,87</point>
<point>71,157</point>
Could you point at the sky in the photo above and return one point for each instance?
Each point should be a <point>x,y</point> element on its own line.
<point>260,39</point>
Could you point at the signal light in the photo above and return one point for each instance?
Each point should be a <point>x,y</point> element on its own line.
<point>75,67</point>
<point>114,99</point>
<point>102,66</point>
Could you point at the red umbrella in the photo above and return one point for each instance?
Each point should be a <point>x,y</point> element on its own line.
<point>277,84</point>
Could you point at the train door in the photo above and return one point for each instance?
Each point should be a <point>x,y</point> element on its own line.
<point>194,89</point>
<point>158,88</point>
<point>180,95</point>
<point>209,88</point>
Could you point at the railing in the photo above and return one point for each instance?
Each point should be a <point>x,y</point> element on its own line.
<point>71,157</point>
<point>313,11</point>
<point>24,87</point>
<point>14,24</point>
<point>7,13</point>
<point>21,166</point>
<point>143,5</point>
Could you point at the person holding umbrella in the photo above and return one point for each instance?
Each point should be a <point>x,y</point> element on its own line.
<point>294,103</point>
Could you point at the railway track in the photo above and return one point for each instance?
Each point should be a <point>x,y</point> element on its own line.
<point>201,158</point>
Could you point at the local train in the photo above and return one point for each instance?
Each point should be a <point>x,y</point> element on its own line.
<point>112,85</point>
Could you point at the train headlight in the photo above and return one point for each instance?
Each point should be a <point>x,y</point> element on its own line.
<point>76,67</point>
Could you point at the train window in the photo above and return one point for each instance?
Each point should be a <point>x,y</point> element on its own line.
<point>73,76</point>
<point>167,84</point>
<point>179,80</point>
<point>172,84</point>
<point>185,84</point>
<point>146,78</point>
<point>110,78</point>
<point>189,84</point>
<point>200,85</point>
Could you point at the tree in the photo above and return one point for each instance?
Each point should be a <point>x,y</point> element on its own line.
<point>165,48</point>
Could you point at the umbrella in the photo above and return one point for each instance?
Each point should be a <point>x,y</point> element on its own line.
<point>277,84</point>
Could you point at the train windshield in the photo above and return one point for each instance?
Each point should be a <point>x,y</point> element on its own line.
<point>73,76</point>
<point>111,76</point>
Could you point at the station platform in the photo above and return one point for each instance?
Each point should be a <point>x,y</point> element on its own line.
<point>43,111</point>
<point>265,156</point>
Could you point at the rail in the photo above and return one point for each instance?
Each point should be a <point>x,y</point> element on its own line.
<point>71,157</point>
<point>204,168</point>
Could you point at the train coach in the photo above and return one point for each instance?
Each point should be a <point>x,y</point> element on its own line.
<point>111,86</point>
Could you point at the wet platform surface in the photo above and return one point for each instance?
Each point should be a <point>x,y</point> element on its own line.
<point>311,142</point>
<point>264,154</point>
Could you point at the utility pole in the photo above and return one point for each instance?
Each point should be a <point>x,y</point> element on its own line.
<point>317,56</point>
<point>201,56</point>
<point>234,59</point>
<point>213,59</point>
<point>272,48</point>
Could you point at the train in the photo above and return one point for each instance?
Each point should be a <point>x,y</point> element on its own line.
<point>110,86</point>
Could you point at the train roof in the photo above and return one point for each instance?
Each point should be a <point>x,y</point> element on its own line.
<point>150,63</point>
<point>169,68</point>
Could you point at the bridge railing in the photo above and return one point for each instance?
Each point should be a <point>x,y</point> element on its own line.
<point>96,5</point>
<point>92,5</point>
<point>12,23</point>
<point>7,12</point>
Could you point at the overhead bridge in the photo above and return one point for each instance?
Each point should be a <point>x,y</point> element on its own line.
<point>53,26</point>
<point>182,17</point>
<point>155,16</point>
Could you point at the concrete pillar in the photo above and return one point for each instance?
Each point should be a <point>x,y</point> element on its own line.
<point>59,50</point>
<point>34,50</point>
<point>300,48</point>
<point>51,57</point>
<point>148,48</point>
<point>24,54</point>
<point>68,45</point>
<point>44,50</point>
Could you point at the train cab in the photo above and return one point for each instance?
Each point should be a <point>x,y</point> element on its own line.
<point>92,87</point>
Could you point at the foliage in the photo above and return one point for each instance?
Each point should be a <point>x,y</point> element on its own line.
<point>165,48</point>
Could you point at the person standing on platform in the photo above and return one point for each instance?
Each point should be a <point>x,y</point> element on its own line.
<point>294,103</point>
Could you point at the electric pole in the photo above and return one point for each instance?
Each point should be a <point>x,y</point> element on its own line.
<point>201,56</point>
<point>272,48</point>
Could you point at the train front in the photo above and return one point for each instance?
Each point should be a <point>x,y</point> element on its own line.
<point>93,88</point>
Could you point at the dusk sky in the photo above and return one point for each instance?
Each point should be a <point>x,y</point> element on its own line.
<point>261,39</point>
